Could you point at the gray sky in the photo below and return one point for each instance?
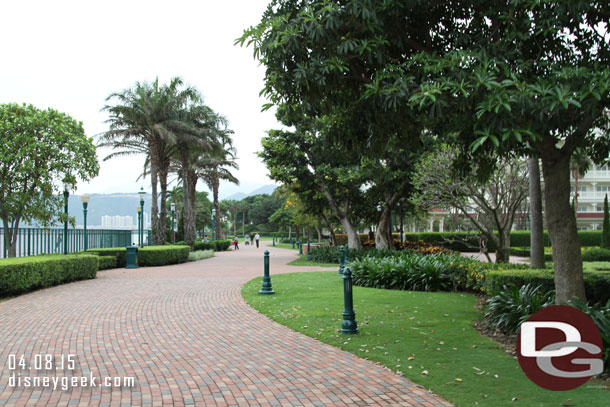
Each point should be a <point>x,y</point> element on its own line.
<point>70,55</point>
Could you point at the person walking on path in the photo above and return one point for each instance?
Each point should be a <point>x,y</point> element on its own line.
<point>236,243</point>
<point>257,237</point>
<point>251,238</point>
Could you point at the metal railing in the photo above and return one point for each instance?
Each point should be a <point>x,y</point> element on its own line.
<point>34,241</point>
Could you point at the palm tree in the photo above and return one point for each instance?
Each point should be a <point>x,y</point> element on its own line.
<point>216,166</point>
<point>146,119</point>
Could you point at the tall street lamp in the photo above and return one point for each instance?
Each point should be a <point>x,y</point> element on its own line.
<point>85,200</point>
<point>139,209</point>
<point>142,193</point>
<point>173,206</point>
<point>66,195</point>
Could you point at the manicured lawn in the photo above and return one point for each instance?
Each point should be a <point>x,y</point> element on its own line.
<point>427,337</point>
<point>286,246</point>
<point>302,261</point>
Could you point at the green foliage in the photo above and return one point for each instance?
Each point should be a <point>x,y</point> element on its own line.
<point>200,255</point>
<point>596,254</point>
<point>150,256</point>
<point>525,252</point>
<point>605,241</point>
<point>215,245</point>
<point>118,252</point>
<point>23,274</point>
<point>513,306</point>
<point>107,262</point>
<point>600,314</point>
<point>40,150</point>
<point>597,283</point>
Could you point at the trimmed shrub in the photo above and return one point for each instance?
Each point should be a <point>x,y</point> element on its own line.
<point>200,255</point>
<point>23,274</point>
<point>508,309</point>
<point>596,254</point>
<point>215,245</point>
<point>150,256</point>
<point>597,283</point>
<point>107,262</point>
<point>118,252</point>
<point>589,237</point>
<point>525,252</point>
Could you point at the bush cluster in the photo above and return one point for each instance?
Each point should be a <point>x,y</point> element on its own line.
<point>23,274</point>
<point>151,256</point>
<point>513,306</point>
<point>200,255</point>
<point>596,254</point>
<point>215,245</point>
<point>332,254</point>
<point>597,283</point>
<point>412,271</point>
<point>118,253</point>
<point>107,262</point>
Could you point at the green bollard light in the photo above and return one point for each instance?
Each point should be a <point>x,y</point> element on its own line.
<point>300,247</point>
<point>348,325</point>
<point>346,254</point>
<point>342,261</point>
<point>308,248</point>
<point>292,241</point>
<point>266,289</point>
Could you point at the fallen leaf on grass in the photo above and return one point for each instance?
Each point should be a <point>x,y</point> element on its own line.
<point>457,379</point>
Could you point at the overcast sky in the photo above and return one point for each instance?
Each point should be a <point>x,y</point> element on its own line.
<point>70,55</point>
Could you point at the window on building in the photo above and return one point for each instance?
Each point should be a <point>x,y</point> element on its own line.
<point>601,167</point>
<point>582,188</point>
<point>583,208</point>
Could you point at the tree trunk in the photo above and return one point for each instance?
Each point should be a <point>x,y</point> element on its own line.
<point>157,230</point>
<point>503,249</point>
<point>536,226</point>
<point>383,237</point>
<point>163,171</point>
<point>188,213</point>
<point>215,187</point>
<point>319,233</point>
<point>561,223</point>
<point>353,241</point>
<point>10,237</point>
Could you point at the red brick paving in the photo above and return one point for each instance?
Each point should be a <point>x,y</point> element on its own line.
<point>187,336</point>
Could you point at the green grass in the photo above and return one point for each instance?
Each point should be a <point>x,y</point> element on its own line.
<point>302,261</point>
<point>428,337</point>
<point>286,246</point>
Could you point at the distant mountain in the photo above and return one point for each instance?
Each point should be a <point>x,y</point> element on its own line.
<point>265,189</point>
<point>238,196</point>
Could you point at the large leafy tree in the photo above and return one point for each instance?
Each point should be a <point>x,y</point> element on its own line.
<point>40,151</point>
<point>523,77</point>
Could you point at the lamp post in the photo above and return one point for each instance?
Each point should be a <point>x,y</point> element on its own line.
<point>66,195</point>
<point>139,209</point>
<point>142,193</point>
<point>173,206</point>
<point>213,224</point>
<point>85,200</point>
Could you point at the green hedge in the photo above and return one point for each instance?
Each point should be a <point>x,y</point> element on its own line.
<point>525,252</point>
<point>596,254</point>
<point>597,283</point>
<point>151,256</point>
<point>107,262</point>
<point>23,274</point>
<point>118,252</point>
<point>216,245</point>
<point>518,238</point>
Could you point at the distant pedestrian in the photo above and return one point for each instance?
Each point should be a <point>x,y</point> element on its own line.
<point>371,235</point>
<point>251,238</point>
<point>257,237</point>
<point>236,243</point>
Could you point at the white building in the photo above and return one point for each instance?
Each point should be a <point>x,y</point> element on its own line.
<point>592,188</point>
<point>117,221</point>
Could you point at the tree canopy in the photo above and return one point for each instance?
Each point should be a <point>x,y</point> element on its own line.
<point>42,152</point>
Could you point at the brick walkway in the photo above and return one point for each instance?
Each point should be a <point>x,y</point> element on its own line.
<point>187,336</point>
